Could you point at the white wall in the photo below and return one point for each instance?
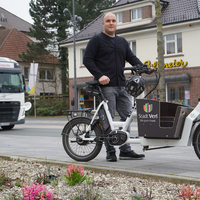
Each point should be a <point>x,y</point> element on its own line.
<point>191,48</point>
<point>81,71</point>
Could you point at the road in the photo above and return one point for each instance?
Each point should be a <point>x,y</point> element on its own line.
<point>40,139</point>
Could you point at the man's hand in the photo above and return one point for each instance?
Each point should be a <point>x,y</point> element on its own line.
<point>151,70</point>
<point>104,80</point>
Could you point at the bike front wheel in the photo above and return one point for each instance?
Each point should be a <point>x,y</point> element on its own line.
<point>75,147</point>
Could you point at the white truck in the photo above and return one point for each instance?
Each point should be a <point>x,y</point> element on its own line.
<point>12,94</point>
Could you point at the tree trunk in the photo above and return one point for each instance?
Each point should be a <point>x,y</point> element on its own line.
<point>160,50</point>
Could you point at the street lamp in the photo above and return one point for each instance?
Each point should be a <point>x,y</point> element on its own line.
<point>74,18</point>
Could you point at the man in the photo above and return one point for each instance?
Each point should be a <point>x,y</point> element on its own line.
<point>72,104</point>
<point>105,58</point>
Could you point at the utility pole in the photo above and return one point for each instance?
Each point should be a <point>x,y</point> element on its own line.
<point>74,18</point>
<point>160,50</point>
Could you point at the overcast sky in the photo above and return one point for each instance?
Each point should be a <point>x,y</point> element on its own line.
<point>17,7</point>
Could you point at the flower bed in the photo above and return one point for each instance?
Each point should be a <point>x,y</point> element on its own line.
<point>73,182</point>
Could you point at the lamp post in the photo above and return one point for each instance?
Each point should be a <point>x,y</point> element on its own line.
<point>74,18</point>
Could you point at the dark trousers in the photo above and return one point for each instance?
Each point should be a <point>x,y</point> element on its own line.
<point>118,100</point>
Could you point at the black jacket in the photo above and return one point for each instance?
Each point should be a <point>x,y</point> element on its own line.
<point>103,58</point>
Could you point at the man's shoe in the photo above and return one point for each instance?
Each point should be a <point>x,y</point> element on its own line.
<point>111,157</point>
<point>130,156</point>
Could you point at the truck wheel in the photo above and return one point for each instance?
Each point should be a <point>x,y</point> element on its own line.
<point>7,127</point>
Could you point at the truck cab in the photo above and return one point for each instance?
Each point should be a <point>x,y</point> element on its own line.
<point>12,94</point>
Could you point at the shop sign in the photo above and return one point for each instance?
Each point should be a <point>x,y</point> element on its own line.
<point>167,65</point>
<point>187,94</point>
<point>81,100</point>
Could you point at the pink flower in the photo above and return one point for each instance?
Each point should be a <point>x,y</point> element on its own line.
<point>36,191</point>
<point>81,170</point>
<point>73,168</point>
<point>75,174</point>
<point>188,193</point>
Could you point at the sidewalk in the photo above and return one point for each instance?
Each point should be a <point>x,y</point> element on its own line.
<point>44,120</point>
<point>57,119</point>
<point>172,163</point>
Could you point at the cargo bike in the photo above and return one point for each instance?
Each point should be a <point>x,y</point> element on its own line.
<point>160,124</point>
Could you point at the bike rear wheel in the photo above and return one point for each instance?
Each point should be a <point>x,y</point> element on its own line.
<point>196,142</point>
<point>74,146</point>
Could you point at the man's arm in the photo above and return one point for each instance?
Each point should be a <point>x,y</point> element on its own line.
<point>89,58</point>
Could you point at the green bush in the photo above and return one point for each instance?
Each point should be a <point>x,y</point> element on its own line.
<point>47,106</point>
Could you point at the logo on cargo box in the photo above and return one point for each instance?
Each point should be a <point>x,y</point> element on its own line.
<point>148,107</point>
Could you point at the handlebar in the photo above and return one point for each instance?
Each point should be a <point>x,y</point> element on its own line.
<point>140,69</point>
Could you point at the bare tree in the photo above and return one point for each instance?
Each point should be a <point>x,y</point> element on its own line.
<point>160,50</point>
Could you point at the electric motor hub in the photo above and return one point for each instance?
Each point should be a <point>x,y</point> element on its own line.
<point>117,137</point>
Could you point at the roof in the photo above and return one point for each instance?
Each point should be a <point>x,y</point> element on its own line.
<point>14,42</point>
<point>9,20</point>
<point>176,11</point>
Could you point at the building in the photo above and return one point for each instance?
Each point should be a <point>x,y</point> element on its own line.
<point>9,20</point>
<point>136,22</point>
<point>13,41</point>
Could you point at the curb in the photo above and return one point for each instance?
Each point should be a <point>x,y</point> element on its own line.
<point>134,173</point>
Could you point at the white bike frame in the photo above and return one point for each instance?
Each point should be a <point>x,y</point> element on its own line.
<point>187,133</point>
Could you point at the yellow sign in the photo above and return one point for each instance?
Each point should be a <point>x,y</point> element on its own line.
<point>81,100</point>
<point>167,65</point>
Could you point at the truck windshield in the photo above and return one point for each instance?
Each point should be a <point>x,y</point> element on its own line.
<point>11,83</point>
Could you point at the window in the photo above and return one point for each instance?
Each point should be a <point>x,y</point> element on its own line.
<point>171,93</point>
<point>173,44</point>
<point>11,82</point>
<point>136,14</point>
<point>178,93</point>
<point>26,73</point>
<point>133,47</point>
<point>154,95</point>
<point>46,75</point>
<point>119,17</point>
<point>82,54</point>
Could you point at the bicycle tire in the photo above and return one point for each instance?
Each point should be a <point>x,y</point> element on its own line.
<point>196,142</point>
<point>76,148</point>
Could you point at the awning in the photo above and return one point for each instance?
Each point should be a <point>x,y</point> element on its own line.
<point>169,79</point>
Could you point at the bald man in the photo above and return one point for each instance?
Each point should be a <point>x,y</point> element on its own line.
<point>105,57</point>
